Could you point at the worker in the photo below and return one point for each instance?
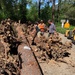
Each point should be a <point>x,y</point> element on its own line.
<point>41,27</point>
<point>52,28</point>
<point>36,27</point>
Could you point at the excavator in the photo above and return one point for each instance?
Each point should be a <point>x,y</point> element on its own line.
<point>70,34</point>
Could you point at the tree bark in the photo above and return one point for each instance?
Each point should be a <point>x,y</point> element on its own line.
<point>59,6</point>
<point>39,4</point>
<point>53,10</point>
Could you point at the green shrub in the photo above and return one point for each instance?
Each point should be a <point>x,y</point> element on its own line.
<point>63,30</point>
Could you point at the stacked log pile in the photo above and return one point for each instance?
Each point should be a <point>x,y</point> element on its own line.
<point>13,33</point>
<point>47,48</point>
<point>9,61</point>
<point>51,48</point>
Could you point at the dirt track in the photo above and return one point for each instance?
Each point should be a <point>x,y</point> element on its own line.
<point>65,66</point>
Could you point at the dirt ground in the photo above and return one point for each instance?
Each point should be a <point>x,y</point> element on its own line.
<point>65,66</point>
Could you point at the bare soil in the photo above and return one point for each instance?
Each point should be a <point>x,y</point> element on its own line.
<point>65,66</point>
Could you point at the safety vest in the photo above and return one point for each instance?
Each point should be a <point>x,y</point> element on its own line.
<point>41,27</point>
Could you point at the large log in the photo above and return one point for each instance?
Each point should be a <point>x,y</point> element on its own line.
<point>29,63</point>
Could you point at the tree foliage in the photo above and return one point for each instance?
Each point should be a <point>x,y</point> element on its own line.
<point>46,13</point>
<point>14,9</point>
<point>17,9</point>
<point>68,8</point>
<point>32,13</point>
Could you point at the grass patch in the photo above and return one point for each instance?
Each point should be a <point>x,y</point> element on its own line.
<point>63,30</point>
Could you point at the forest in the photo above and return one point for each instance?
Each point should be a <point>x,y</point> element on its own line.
<point>29,10</point>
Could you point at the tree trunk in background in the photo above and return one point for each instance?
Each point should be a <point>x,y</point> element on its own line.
<point>53,10</point>
<point>23,10</point>
<point>59,6</point>
<point>39,4</point>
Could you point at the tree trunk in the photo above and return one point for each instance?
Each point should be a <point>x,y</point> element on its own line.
<point>59,6</point>
<point>53,10</point>
<point>39,4</point>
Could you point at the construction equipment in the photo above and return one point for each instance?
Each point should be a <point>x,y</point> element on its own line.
<point>73,39</point>
<point>70,34</point>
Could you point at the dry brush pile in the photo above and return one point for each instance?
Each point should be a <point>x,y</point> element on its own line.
<point>13,33</point>
<point>48,48</point>
<point>51,48</point>
<point>9,60</point>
